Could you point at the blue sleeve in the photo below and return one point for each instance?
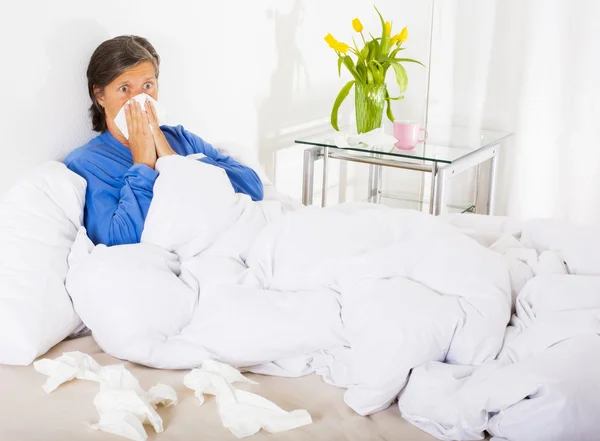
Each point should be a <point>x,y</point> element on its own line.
<point>113,216</point>
<point>243,179</point>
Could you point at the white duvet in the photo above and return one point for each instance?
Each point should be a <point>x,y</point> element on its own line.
<point>392,305</point>
<point>545,383</point>
<point>360,293</point>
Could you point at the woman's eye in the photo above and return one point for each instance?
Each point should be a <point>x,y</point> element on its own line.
<point>123,89</point>
<point>147,85</point>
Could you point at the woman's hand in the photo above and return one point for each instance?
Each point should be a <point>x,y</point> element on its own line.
<point>141,141</point>
<point>162,145</point>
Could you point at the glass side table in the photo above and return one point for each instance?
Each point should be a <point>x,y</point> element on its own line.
<point>448,152</point>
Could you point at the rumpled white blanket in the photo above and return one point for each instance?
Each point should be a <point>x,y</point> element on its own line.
<point>544,384</point>
<point>359,293</point>
<point>389,304</point>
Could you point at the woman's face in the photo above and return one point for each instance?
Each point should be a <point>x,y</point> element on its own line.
<point>132,82</point>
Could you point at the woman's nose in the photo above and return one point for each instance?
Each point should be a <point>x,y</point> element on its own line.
<point>137,91</point>
<point>134,92</point>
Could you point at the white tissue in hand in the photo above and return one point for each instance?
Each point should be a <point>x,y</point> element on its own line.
<point>124,407</point>
<point>243,413</point>
<point>121,120</point>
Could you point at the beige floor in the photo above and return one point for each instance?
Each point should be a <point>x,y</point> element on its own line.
<point>28,414</point>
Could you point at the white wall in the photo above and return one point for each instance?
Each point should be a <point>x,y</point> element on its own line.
<point>256,72</point>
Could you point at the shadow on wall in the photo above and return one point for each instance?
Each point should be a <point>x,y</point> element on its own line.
<point>61,110</point>
<point>284,115</point>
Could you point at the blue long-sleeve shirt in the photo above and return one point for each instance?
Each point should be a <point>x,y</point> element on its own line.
<point>119,192</point>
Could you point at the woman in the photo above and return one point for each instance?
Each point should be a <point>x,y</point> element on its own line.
<point>120,172</point>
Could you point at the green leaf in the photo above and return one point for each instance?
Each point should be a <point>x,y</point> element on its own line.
<point>380,17</point>
<point>364,53</point>
<point>338,101</point>
<point>349,63</point>
<point>362,72</point>
<point>409,60</point>
<point>399,60</point>
<point>384,38</point>
<point>395,51</point>
<point>340,60</point>
<point>370,79</point>
<point>373,51</point>
<point>358,53</point>
<point>388,110</point>
<point>401,77</point>
<point>377,71</point>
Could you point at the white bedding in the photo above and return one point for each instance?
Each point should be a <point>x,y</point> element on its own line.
<point>39,219</point>
<point>389,304</point>
<point>218,276</point>
<point>544,385</point>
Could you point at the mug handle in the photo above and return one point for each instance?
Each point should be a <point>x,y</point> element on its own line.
<point>426,135</point>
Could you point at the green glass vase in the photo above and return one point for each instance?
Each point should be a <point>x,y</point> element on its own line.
<point>369,104</point>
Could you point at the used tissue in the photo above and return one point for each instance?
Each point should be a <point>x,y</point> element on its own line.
<point>121,120</point>
<point>243,413</point>
<point>124,407</point>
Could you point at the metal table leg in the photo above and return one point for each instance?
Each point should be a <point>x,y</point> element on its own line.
<point>432,196</point>
<point>461,165</point>
<point>379,183</point>
<point>325,166</point>
<point>375,173</point>
<point>476,189</point>
<point>492,186</point>
<point>439,182</point>
<point>308,174</point>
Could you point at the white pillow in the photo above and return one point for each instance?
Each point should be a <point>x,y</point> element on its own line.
<point>39,220</point>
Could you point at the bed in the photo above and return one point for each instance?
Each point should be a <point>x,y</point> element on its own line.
<point>414,311</point>
<point>28,414</point>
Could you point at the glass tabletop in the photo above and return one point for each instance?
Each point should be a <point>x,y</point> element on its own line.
<point>444,144</point>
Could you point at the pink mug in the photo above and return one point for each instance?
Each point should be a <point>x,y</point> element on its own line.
<point>407,134</point>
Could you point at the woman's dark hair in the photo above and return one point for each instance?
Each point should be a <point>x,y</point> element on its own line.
<point>110,60</point>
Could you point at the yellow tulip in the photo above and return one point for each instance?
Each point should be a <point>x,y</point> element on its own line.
<point>357,25</point>
<point>388,28</point>
<point>336,45</point>
<point>341,47</point>
<point>330,40</point>
<point>402,36</point>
